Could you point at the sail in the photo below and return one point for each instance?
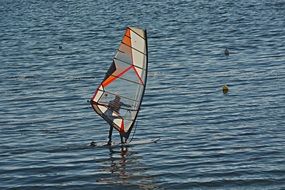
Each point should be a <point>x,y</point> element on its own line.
<point>118,98</point>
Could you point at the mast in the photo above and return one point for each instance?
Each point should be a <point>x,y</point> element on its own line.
<point>129,132</point>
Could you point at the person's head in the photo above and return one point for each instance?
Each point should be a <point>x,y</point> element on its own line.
<point>117,98</point>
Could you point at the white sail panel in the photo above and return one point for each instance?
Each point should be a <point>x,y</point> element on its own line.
<point>118,122</point>
<point>139,61</point>
<point>102,108</point>
<point>138,31</point>
<point>138,42</point>
<point>138,50</point>
<point>99,93</point>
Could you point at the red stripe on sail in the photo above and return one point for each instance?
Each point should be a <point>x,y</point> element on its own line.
<point>122,128</point>
<point>137,74</point>
<point>126,70</point>
<point>110,79</point>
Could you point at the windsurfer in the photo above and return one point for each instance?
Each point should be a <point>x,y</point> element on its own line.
<point>114,106</point>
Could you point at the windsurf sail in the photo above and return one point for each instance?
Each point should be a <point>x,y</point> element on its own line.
<point>119,96</point>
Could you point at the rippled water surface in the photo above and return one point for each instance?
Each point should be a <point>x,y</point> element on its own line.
<point>55,53</point>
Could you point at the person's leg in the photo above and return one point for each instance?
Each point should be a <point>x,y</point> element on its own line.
<point>110,135</point>
<point>122,139</point>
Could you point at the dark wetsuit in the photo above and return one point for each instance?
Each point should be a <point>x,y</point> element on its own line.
<point>114,106</point>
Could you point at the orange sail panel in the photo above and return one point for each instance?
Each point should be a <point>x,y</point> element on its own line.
<point>118,98</point>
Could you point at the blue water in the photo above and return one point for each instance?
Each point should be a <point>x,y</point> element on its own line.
<point>208,140</point>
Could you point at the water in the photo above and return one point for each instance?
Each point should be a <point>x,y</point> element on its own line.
<point>208,140</point>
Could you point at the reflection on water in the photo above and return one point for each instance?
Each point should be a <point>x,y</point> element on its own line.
<point>123,169</point>
<point>119,166</point>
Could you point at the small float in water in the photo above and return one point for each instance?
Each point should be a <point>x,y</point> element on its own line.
<point>225,89</point>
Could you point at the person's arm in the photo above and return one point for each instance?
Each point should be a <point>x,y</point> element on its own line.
<point>126,105</point>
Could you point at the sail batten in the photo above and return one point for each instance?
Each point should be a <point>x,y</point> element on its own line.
<point>125,79</point>
<point>118,98</point>
<point>114,94</point>
<point>142,36</point>
<point>133,48</point>
<point>129,64</point>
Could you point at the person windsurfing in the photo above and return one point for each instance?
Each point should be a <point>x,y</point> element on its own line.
<point>114,107</point>
<point>127,77</point>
